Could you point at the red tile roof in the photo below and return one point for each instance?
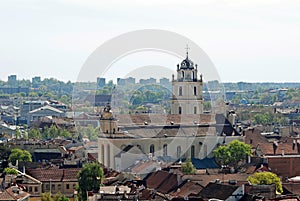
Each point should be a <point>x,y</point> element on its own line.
<point>54,174</point>
<point>186,189</point>
<point>156,178</point>
<point>8,194</point>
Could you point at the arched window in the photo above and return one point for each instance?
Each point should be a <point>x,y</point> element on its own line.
<point>182,74</point>
<point>195,91</point>
<point>180,91</point>
<point>178,151</point>
<point>102,153</point>
<point>108,156</point>
<point>179,110</point>
<point>193,75</point>
<point>152,149</point>
<point>192,151</point>
<point>165,150</point>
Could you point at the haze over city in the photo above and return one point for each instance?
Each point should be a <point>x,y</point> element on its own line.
<point>250,41</point>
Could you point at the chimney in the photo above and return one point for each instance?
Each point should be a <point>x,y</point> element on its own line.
<point>275,145</point>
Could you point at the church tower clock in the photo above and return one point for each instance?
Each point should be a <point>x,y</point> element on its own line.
<point>187,95</point>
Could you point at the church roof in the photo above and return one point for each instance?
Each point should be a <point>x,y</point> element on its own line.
<point>187,63</point>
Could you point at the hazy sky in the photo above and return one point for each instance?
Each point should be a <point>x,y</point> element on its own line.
<point>255,40</point>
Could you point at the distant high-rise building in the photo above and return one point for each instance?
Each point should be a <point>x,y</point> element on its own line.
<point>100,82</point>
<point>148,81</point>
<point>36,82</point>
<point>164,82</point>
<point>125,81</point>
<point>12,80</point>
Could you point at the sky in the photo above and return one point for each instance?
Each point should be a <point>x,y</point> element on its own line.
<point>250,41</point>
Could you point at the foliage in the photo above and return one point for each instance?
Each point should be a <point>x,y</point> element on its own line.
<point>54,132</point>
<point>266,178</point>
<point>18,133</point>
<point>20,155</point>
<point>46,197</point>
<point>89,179</point>
<point>11,171</point>
<point>59,197</point>
<point>187,167</point>
<point>34,133</point>
<point>89,132</point>
<point>232,153</point>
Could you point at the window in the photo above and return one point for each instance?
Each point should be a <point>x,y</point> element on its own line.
<point>53,186</point>
<point>179,110</point>
<point>67,186</point>
<point>180,91</point>
<point>192,151</point>
<point>178,151</point>
<point>30,189</point>
<point>152,149</point>
<point>195,91</point>
<point>165,150</point>
<point>59,187</point>
<point>36,189</point>
<point>47,187</point>
<point>195,110</point>
<point>182,74</point>
<point>193,75</point>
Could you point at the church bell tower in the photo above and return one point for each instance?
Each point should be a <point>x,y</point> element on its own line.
<point>187,95</point>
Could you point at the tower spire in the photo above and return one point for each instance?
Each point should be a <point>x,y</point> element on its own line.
<point>187,51</point>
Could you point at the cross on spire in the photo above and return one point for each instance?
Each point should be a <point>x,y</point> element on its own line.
<point>187,50</point>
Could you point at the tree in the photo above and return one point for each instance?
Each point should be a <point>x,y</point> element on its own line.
<point>89,179</point>
<point>34,133</point>
<point>187,167</point>
<point>266,178</point>
<point>11,171</point>
<point>232,153</point>
<point>18,133</point>
<point>59,197</point>
<point>20,155</point>
<point>46,197</point>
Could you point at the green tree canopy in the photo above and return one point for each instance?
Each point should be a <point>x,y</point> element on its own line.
<point>89,179</point>
<point>266,178</point>
<point>20,155</point>
<point>187,167</point>
<point>34,133</point>
<point>232,153</point>
<point>11,171</point>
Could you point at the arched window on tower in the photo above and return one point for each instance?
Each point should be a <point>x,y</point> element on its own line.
<point>192,151</point>
<point>165,150</point>
<point>179,110</point>
<point>193,75</point>
<point>182,74</point>
<point>195,91</point>
<point>178,151</point>
<point>180,91</point>
<point>152,149</point>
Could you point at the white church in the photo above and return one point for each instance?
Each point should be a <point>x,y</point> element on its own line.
<point>185,133</point>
